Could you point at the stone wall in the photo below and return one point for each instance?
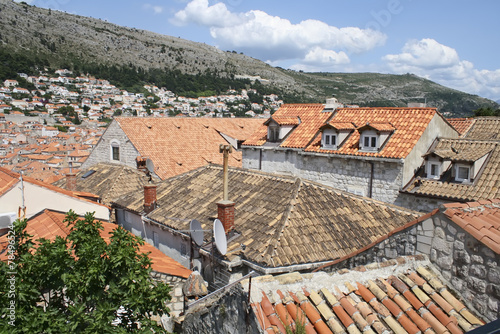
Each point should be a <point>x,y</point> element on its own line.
<point>468,265</point>
<point>348,174</point>
<point>102,151</point>
<point>229,314</point>
<point>176,304</point>
<point>419,203</point>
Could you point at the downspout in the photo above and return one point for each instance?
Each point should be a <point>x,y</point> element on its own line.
<point>370,185</point>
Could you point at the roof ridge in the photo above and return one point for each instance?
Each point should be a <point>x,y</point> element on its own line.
<point>271,248</point>
<point>59,223</point>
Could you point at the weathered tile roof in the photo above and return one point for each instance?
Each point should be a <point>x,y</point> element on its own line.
<point>282,220</point>
<point>7,180</point>
<point>485,186</point>
<point>109,181</point>
<point>462,125</point>
<point>480,219</point>
<point>408,125</point>
<point>49,224</point>
<point>484,128</point>
<point>398,296</point>
<point>177,145</point>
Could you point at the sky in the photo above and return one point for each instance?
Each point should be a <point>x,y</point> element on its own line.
<point>455,43</point>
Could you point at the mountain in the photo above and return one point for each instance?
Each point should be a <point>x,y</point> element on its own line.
<point>46,38</point>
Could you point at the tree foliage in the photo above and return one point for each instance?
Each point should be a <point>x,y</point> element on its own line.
<point>81,284</point>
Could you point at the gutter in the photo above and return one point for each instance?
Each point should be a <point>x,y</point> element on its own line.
<point>287,269</point>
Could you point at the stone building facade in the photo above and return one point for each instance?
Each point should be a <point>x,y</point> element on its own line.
<point>467,259</point>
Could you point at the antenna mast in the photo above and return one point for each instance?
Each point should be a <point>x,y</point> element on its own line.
<point>225,149</point>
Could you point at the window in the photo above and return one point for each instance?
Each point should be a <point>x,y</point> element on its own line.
<point>433,170</point>
<point>116,153</point>
<point>274,133</point>
<point>329,140</point>
<point>156,241</point>
<point>370,142</point>
<point>463,173</point>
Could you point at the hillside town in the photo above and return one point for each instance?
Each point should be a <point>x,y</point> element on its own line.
<point>52,128</point>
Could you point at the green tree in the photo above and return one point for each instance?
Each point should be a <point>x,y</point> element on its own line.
<point>81,284</point>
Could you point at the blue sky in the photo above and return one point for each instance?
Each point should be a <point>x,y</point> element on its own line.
<point>453,42</point>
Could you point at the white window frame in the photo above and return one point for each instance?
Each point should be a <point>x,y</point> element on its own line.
<point>457,170</point>
<point>329,140</point>
<point>430,164</point>
<point>371,138</point>
<point>112,146</point>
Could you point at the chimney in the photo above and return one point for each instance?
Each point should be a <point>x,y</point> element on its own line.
<point>225,208</point>
<point>225,213</point>
<point>149,198</point>
<point>71,181</point>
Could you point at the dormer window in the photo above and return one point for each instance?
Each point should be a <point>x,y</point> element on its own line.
<point>329,140</point>
<point>433,169</point>
<point>462,173</point>
<point>279,127</point>
<point>373,136</point>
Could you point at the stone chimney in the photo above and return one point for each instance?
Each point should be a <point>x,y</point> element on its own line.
<point>71,181</point>
<point>225,213</point>
<point>149,198</point>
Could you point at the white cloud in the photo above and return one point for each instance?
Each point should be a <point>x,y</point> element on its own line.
<point>155,9</point>
<point>440,63</point>
<point>261,35</point>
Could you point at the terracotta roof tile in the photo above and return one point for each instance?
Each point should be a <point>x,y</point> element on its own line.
<point>481,221</point>
<point>462,125</point>
<point>486,184</point>
<point>183,144</point>
<point>49,224</point>
<point>282,220</point>
<point>484,128</point>
<point>362,308</point>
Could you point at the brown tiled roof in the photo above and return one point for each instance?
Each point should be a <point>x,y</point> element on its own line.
<point>282,220</point>
<point>342,125</point>
<point>379,126</point>
<point>311,118</point>
<point>462,125</point>
<point>485,186</point>
<point>109,181</point>
<point>284,120</point>
<point>49,224</point>
<point>480,219</point>
<point>183,144</point>
<point>484,128</point>
<point>365,300</point>
<point>408,125</point>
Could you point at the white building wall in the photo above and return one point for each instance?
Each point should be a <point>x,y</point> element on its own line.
<point>37,198</point>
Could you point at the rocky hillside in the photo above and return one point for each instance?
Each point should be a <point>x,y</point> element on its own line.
<point>63,40</point>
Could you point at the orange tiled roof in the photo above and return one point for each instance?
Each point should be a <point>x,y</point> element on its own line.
<point>408,124</point>
<point>50,224</point>
<point>462,125</point>
<point>183,144</point>
<point>7,180</point>
<point>367,299</point>
<point>480,219</point>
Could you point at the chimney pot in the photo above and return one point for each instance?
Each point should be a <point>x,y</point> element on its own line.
<point>71,181</point>
<point>225,213</point>
<point>149,198</point>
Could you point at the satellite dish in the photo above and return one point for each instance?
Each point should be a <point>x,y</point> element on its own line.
<point>150,166</point>
<point>220,237</point>
<point>196,232</point>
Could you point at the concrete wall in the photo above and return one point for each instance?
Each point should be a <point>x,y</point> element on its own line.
<point>102,151</point>
<point>171,244</point>
<point>347,174</point>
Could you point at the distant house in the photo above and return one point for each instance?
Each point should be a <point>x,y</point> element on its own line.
<point>367,151</point>
<point>36,196</point>
<point>174,145</point>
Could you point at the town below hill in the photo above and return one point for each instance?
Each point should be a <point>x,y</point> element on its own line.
<point>51,122</point>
